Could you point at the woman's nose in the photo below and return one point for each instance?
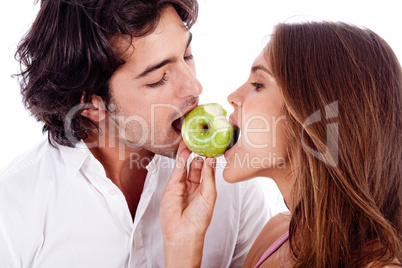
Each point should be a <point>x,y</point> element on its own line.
<point>235,99</point>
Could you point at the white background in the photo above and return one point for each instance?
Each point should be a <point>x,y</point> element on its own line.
<point>228,36</point>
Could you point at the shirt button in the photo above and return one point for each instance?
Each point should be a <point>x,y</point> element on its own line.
<point>112,192</point>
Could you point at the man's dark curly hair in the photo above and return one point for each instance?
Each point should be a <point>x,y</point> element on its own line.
<point>68,55</point>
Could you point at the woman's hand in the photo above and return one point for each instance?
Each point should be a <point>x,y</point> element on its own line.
<point>186,209</point>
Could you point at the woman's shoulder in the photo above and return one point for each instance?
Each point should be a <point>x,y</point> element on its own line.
<point>277,226</point>
<point>272,231</point>
<point>280,220</point>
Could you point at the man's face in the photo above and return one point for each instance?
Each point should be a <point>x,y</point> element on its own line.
<point>155,87</point>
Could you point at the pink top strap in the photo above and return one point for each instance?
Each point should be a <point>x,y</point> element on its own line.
<point>273,248</point>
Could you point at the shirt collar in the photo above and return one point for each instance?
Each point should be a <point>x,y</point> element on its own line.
<point>154,164</point>
<point>74,157</point>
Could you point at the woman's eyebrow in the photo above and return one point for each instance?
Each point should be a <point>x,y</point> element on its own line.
<point>255,68</point>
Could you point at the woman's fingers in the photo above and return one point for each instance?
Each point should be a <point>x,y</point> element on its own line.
<point>198,168</point>
<point>194,175</point>
<point>179,172</point>
<point>208,187</point>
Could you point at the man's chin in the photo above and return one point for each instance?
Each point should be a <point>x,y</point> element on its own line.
<point>171,154</point>
<point>168,150</point>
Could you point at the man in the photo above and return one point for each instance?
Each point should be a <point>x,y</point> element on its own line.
<point>110,80</point>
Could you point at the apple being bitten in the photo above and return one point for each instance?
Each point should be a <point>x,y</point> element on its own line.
<point>207,132</point>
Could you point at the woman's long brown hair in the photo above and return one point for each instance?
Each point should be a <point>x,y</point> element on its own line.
<point>342,88</point>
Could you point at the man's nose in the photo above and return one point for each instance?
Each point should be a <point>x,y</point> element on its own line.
<point>189,84</point>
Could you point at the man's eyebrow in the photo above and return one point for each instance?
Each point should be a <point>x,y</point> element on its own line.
<point>255,68</point>
<point>155,67</point>
<point>164,62</point>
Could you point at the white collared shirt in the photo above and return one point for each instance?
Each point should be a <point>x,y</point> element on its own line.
<point>59,210</point>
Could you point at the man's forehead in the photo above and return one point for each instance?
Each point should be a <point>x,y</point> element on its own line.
<point>169,29</point>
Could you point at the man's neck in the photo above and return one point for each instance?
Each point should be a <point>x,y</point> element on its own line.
<point>127,171</point>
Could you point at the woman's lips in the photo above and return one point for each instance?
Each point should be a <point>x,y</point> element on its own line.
<point>233,120</point>
<point>229,152</point>
<point>237,133</point>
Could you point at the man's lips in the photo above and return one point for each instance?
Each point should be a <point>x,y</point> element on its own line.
<point>179,121</point>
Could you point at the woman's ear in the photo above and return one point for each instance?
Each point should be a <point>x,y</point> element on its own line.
<point>94,110</point>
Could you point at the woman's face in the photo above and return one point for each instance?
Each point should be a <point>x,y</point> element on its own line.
<point>261,149</point>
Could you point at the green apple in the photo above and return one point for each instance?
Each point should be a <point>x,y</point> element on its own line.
<point>207,132</point>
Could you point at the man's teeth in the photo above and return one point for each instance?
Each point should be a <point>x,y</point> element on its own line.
<point>177,124</point>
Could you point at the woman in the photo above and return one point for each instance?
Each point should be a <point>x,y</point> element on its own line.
<point>329,97</point>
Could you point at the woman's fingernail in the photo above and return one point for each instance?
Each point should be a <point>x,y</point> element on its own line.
<point>198,162</point>
<point>212,162</point>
